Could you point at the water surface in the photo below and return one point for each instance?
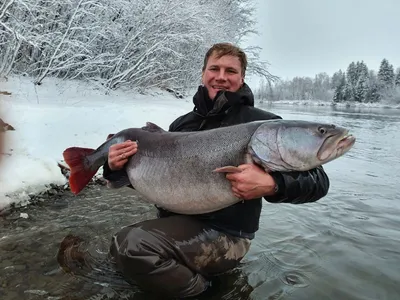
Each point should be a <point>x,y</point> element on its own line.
<point>345,246</point>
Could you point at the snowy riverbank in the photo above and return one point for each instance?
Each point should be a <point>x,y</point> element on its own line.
<point>59,114</point>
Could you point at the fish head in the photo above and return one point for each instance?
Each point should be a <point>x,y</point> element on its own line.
<point>298,145</point>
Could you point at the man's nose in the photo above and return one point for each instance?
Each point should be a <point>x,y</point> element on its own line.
<point>221,75</point>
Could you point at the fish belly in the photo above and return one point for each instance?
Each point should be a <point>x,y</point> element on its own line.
<point>175,170</point>
<point>185,185</point>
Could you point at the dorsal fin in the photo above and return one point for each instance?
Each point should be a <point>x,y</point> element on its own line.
<point>152,127</point>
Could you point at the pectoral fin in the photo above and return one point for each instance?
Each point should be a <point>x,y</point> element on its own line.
<point>228,169</point>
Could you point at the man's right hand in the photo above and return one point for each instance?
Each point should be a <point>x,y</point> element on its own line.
<point>119,154</point>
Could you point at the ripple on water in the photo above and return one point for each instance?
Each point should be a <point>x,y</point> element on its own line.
<point>295,279</point>
<point>286,267</point>
<point>293,255</point>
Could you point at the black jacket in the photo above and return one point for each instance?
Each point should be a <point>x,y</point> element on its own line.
<point>228,108</point>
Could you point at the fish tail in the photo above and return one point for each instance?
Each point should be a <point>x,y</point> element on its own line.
<point>81,172</point>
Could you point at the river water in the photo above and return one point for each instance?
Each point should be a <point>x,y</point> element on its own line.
<point>345,246</point>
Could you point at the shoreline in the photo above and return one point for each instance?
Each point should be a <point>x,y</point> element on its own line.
<point>50,191</point>
<point>329,104</point>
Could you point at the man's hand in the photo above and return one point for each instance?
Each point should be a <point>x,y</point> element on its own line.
<point>252,182</point>
<point>119,154</point>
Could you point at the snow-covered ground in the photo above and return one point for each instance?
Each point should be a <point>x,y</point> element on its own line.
<point>60,114</point>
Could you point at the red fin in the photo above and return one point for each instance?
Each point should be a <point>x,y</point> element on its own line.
<point>80,176</point>
<point>110,136</point>
<point>228,169</point>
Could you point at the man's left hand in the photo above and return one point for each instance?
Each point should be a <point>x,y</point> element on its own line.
<point>252,182</point>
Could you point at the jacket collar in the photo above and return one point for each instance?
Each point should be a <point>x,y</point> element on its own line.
<point>223,100</point>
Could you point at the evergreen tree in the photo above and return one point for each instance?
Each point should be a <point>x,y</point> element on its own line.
<point>340,89</point>
<point>336,79</point>
<point>373,94</point>
<point>386,74</point>
<point>397,79</point>
<point>357,84</point>
<point>351,81</point>
<point>361,88</point>
<point>352,74</point>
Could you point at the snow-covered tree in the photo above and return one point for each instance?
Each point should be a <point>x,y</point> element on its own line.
<point>358,84</point>
<point>386,73</point>
<point>321,85</point>
<point>336,79</point>
<point>339,87</point>
<point>373,91</point>
<point>140,43</point>
<point>397,78</point>
<point>361,87</point>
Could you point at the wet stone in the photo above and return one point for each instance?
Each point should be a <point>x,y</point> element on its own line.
<point>52,192</point>
<point>5,212</point>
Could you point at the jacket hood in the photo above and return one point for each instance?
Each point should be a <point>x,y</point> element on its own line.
<point>223,100</point>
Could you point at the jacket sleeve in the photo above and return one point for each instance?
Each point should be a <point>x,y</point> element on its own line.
<point>300,187</point>
<point>110,175</point>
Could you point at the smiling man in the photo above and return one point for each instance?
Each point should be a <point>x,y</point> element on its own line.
<point>177,255</point>
<point>222,73</point>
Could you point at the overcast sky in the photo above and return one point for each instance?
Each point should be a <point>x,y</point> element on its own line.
<point>305,37</point>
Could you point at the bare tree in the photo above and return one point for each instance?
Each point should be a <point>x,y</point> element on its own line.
<point>139,43</point>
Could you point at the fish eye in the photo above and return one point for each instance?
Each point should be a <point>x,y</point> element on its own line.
<point>322,130</point>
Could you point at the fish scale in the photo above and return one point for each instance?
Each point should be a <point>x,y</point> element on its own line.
<point>191,155</point>
<point>185,172</point>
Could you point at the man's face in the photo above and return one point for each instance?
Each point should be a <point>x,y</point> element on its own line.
<point>224,73</point>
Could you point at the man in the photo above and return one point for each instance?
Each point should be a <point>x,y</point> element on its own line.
<point>177,255</point>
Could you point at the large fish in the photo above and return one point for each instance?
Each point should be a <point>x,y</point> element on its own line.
<point>184,172</point>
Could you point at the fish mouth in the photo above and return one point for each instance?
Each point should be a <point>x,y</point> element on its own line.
<point>336,145</point>
<point>346,142</point>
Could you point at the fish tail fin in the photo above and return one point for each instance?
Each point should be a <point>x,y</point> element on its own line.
<point>81,174</point>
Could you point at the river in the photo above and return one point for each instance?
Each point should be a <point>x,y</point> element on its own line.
<point>345,246</point>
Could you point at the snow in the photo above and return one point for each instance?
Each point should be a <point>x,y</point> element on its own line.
<point>60,114</point>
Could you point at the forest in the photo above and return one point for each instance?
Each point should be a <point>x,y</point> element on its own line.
<point>357,84</point>
<point>134,43</point>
